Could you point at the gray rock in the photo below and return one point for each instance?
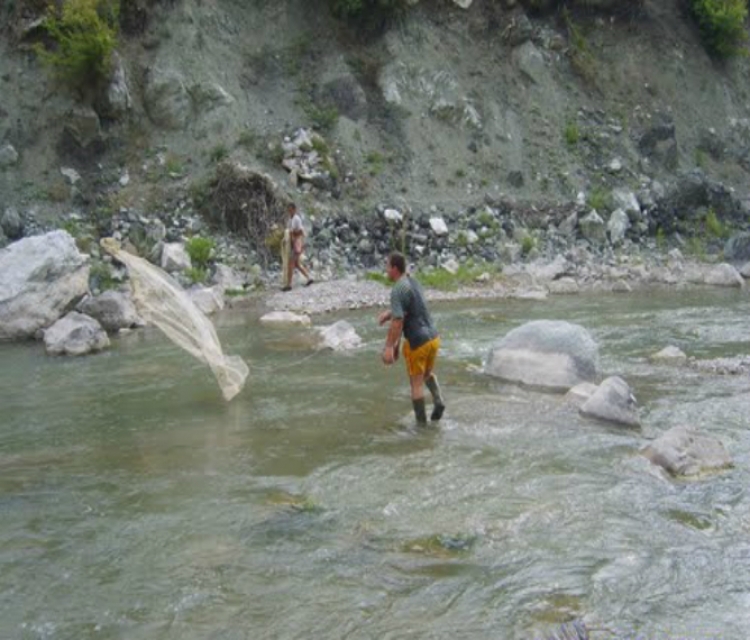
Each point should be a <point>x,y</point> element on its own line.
<point>682,451</point>
<point>174,257</point>
<point>12,224</point>
<point>42,277</point>
<point>614,402</point>
<point>724,275</point>
<point>167,100</point>
<point>737,248</point>
<point>592,228</point>
<point>76,334</point>
<point>114,310</point>
<point>545,353</point>
<point>670,354</point>
<point>83,126</point>
<point>118,99</point>
<point>208,299</point>
<point>8,156</point>
<point>617,226</point>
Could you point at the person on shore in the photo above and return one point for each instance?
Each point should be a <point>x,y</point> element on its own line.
<point>297,247</point>
<point>409,316</point>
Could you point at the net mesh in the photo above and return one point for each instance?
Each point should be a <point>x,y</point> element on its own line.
<point>163,303</point>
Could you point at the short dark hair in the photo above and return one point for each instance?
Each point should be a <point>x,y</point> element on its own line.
<point>292,206</point>
<point>397,260</point>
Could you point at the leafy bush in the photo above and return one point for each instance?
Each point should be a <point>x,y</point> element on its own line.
<point>571,133</point>
<point>199,249</point>
<point>722,24</point>
<point>85,35</point>
<point>714,226</point>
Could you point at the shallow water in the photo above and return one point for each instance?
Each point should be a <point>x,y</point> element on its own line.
<point>136,504</point>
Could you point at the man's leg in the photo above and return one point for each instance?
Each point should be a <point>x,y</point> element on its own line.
<point>417,397</point>
<point>438,405</point>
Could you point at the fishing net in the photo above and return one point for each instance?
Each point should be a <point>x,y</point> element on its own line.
<point>163,303</point>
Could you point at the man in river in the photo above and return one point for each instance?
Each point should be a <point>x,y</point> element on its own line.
<point>409,316</point>
<point>296,238</point>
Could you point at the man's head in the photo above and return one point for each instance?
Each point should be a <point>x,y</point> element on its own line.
<point>396,266</point>
<point>291,209</point>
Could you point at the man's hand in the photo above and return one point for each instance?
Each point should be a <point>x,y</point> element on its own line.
<point>389,355</point>
<point>384,317</point>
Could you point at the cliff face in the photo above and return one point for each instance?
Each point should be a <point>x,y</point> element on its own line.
<point>444,106</point>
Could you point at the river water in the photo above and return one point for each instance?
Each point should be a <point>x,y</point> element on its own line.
<point>135,504</point>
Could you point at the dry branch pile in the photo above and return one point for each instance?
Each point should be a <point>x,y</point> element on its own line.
<point>242,201</point>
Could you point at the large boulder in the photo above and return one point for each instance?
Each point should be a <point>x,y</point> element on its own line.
<point>114,310</point>
<point>550,354</point>
<point>42,277</point>
<point>75,335</point>
<point>166,98</point>
<point>737,248</point>
<point>682,451</point>
<point>12,224</point>
<point>614,402</point>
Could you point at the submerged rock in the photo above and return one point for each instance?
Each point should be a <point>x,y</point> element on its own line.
<point>286,317</point>
<point>613,401</point>
<point>682,451</point>
<point>340,336</point>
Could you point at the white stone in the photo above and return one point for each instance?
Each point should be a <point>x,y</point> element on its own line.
<point>438,226</point>
<point>71,175</point>
<point>669,354</point>
<point>174,257</point>
<point>42,276</point>
<point>393,215</point>
<point>286,317</point>
<point>340,336</point>
<point>76,334</point>
<point>208,299</point>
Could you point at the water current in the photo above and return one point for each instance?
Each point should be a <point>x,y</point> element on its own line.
<point>136,504</point>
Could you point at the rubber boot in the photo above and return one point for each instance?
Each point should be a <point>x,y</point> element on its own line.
<point>437,398</point>
<point>419,411</point>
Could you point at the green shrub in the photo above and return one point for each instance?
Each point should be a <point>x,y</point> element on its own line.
<point>714,226</point>
<point>199,249</point>
<point>218,153</point>
<point>571,133</point>
<point>600,199</point>
<point>85,35</point>
<point>197,275</point>
<point>722,24</point>
<point>527,244</point>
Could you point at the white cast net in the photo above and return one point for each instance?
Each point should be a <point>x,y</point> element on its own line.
<point>163,303</point>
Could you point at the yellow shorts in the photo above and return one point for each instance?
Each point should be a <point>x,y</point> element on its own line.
<point>422,359</point>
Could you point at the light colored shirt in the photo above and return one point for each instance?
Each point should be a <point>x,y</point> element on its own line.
<point>295,223</point>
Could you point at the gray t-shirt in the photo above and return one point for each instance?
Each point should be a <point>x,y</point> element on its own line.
<point>407,303</point>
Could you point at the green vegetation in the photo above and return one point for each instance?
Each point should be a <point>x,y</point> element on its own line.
<point>722,25</point>
<point>696,247</point>
<point>446,281</point>
<point>376,162</point>
<point>197,275</point>
<point>600,199</point>
<point>218,153</point>
<point>378,276</point>
<point>714,226</point>
<point>199,249</point>
<point>661,238</point>
<point>571,133</point>
<point>581,59</point>
<point>527,244</point>
<point>248,139</point>
<point>84,33</point>
<point>323,118</point>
